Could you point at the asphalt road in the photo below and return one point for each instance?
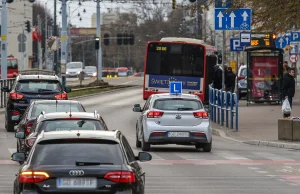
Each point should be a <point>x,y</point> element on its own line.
<point>231,168</point>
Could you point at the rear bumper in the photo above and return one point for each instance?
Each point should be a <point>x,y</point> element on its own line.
<point>164,139</point>
<point>79,192</point>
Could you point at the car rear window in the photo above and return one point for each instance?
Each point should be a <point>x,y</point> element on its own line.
<point>68,125</point>
<point>59,107</point>
<point>177,104</point>
<point>68,151</point>
<point>38,86</point>
<point>244,72</point>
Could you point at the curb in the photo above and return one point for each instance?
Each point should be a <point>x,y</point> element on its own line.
<point>222,134</point>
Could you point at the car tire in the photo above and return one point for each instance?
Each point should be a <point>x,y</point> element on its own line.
<point>10,127</point>
<point>145,146</point>
<point>207,147</point>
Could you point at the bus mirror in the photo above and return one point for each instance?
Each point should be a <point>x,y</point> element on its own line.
<point>5,89</point>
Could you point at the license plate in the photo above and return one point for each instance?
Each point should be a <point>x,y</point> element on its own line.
<point>80,183</point>
<point>178,134</point>
<point>31,100</point>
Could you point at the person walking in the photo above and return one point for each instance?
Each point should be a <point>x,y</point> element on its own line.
<point>288,86</point>
<point>230,80</point>
<point>217,77</point>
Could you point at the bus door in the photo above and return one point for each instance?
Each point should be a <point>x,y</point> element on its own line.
<point>264,74</point>
<point>211,61</point>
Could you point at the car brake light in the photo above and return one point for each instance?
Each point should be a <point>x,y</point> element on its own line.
<point>155,114</point>
<point>15,96</point>
<point>30,141</point>
<point>61,96</point>
<point>70,119</point>
<point>28,127</point>
<point>120,177</point>
<point>15,113</point>
<point>199,134</point>
<point>33,177</point>
<point>203,115</point>
<point>156,133</point>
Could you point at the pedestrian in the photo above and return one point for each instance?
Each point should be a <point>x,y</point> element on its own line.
<point>285,67</point>
<point>217,77</point>
<point>288,86</point>
<point>230,80</point>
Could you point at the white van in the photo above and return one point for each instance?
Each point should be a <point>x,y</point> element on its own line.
<point>74,68</point>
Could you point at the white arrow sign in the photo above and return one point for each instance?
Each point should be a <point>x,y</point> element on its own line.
<point>245,15</point>
<point>220,16</point>
<point>232,16</point>
<point>280,41</point>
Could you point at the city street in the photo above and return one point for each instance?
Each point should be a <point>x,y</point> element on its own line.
<point>231,167</point>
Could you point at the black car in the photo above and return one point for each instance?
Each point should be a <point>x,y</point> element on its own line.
<point>47,106</point>
<point>80,162</point>
<point>60,121</point>
<point>28,88</point>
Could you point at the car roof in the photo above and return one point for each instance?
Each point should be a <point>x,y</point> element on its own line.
<point>42,77</point>
<point>80,134</point>
<point>56,101</point>
<point>59,115</point>
<point>168,95</point>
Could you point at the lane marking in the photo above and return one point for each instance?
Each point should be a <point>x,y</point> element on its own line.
<point>254,168</point>
<point>262,172</point>
<point>230,156</point>
<point>271,156</point>
<point>12,150</point>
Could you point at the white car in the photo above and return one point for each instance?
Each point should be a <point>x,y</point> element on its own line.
<point>173,119</point>
<point>74,69</point>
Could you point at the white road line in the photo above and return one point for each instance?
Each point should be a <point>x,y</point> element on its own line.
<point>128,82</point>
<point>253,168</point>
<point>271,156</point>
<point>12,150</point>
<point>230,156</point>
<point>271,175</point>
<point>262,172</point>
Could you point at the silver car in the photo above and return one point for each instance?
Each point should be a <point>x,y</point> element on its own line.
<point>173,119</point>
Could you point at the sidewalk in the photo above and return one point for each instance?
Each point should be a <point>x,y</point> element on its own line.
<point>259,122</point>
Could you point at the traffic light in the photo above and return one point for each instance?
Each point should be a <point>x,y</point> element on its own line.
<point>97,43</point>
<point>27,26</point>
<point>125,39</point>
<point>119,39</point>
<point>106,39</point>
<point>173,4</point>
<point>131,39</point>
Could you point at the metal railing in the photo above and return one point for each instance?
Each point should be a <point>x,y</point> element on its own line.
<point>3,95</point>
<point>220,103</point>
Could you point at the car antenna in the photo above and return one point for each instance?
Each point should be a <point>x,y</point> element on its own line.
<point>70,110</point>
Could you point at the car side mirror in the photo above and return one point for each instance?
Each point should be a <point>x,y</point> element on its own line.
<point>144,156</point>
<point>20,135</point>
<point>137,108</point>
<point>5,89</point>
<point>68,90</point>
<point>18,156</point>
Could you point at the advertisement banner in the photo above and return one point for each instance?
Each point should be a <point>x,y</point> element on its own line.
<point>162,81</point>
<point>265,81</point>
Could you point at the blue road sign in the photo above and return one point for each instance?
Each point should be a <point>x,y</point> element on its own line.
<point>280,42</point>
<point>294,50</point>
<point>235,45</point>
<point>295,36</point>
<point>223,3</point>
<point>239,19</point>
<point>175,87</point>
<point>288,39</point>
<point>245,39</point>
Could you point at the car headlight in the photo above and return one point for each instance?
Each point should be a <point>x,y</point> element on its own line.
<point>78,72</point>
<point>94,74</point>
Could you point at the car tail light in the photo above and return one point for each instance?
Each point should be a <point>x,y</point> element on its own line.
<point>199,134</point>
<point>61,96</point>
<point>30,141</point>
<point>241,77</point>
<point>120,177</point>
<point>15,96</point>
<point>155,114</point>
<point>33,177</point>
<point>15,113</point>
<point>156,133</point>
<point>69,119</point>
<point>203,115</point>
<point>28,127</point>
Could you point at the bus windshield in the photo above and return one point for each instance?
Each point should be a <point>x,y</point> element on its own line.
<point>173,59</point>
<point>11,63</point>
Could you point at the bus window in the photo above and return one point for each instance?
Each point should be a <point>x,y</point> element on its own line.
<point>175,59</point>
<point>12,64</point>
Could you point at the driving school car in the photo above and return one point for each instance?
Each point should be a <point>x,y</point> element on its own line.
<point>173,119</point>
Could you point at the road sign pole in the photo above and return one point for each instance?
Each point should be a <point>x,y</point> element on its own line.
<point>99,62</point>
<point>64,42</point>
<point>236,77</point>
<point>39,43</point>
<point>4,40</point>
<point>223,59</point>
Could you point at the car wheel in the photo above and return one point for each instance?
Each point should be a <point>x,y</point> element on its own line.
<point>138,143</point>
<point>145,145</point>
<point>207,147</point>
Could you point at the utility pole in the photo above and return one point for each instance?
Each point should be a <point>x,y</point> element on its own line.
<point>199,18</point>
<point>40,53</point>
<point>99,73</point>
<point>4,40</point>
<point>63,38</point>
<point>46,36</point>
<point>55,34</point>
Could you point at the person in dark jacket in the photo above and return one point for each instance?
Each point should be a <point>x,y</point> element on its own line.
<point>230,80</point>
<point>217,77</point>
<point>288,86</point>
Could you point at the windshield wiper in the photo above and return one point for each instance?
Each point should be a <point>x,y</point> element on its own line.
<point>185,109</point>
<point>91,163</point>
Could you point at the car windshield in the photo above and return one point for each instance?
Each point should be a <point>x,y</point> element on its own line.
<point>177,104</point>
<point>38,86</point>
<point>69,151</point>
<point>74,65</point>
<point>53,107</point>
<point>93,69</point>
<point>68,125</point>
